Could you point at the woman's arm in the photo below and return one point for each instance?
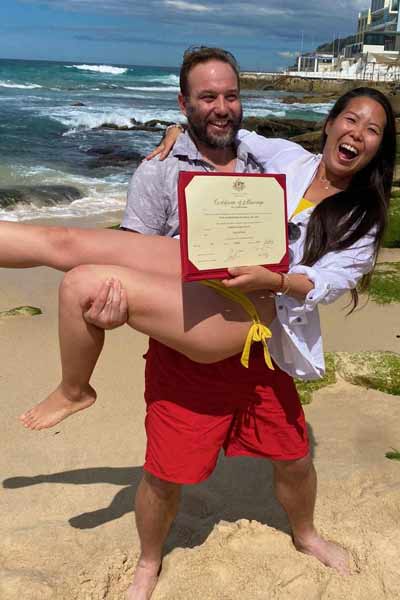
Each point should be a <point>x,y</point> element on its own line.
<point>334,274</point>
<point>248,279</point>
<point>264,150</point>
<point>171,134</point>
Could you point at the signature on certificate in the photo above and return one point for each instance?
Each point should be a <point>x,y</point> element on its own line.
<point>265,246</point>
<point>233,254</point>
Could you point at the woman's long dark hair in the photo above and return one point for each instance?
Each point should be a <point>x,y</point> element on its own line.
<point>342,219</point>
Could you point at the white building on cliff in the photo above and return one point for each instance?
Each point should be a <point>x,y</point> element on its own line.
<point>373,54</point>
<point>378,30</point>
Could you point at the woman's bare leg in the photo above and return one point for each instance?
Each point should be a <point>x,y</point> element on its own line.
<point>64,248</point>
<point>191,319</point>
<point>80,346</point>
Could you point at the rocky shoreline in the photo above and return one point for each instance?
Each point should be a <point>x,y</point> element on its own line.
<point>279,81</point>
<point>306,133</point>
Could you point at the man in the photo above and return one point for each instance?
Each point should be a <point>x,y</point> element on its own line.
<point>194,410</point>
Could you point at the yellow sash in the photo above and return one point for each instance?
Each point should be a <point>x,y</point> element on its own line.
<point>258,332</point>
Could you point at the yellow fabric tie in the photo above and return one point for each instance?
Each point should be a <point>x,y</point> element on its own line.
<point>258,332</point>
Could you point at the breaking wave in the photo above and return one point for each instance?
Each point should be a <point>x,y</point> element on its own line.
<point>108,69</point>
<point>19,86</point>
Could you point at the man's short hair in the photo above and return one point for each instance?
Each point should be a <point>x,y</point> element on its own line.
<point>196,55</point>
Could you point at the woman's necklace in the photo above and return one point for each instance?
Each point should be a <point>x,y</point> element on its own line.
<point>326,184</point>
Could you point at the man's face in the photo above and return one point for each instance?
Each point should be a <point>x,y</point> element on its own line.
<point>213,107</point>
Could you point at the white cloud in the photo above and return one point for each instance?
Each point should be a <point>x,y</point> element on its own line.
<point>263,11</point>
<point>280,22</point>
<point>287,54</point>
<point>187,6</point>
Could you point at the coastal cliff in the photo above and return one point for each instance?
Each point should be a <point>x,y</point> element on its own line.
<point>278,81</point>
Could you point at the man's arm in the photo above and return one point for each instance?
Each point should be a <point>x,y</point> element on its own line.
<point>144,213</point>
<point>145,210</point>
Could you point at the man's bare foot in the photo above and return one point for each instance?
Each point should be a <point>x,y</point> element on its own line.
<point>144,581</point>
<point>330,554</point>
<point>56,407</point>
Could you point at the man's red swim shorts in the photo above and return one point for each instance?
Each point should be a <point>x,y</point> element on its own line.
<point>194,410</point>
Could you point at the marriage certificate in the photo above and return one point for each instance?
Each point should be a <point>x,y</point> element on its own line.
<point>230,220</point>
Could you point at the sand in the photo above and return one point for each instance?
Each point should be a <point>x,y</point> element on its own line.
<point>67,529</point>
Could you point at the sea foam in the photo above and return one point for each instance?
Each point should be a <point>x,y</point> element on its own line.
<point>19,86</point>
<point>76,119</point>
<point>169,79</point>
<point>151,88</point>
<point>110,70</point>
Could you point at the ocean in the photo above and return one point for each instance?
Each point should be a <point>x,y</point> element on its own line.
<point>56,157</point>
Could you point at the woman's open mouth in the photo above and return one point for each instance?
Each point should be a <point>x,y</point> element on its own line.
<point>347,152</point>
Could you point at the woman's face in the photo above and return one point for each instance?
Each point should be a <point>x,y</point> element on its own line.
<point>353,137</point>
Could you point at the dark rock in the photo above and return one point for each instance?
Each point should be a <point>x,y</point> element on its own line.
<point>146,127</point>
<point>116,127</point>
<point>311,141</point>
<point>152,125</point>
<point>78,104</point>
<point>158,123</point>
<point>395,102</point>
<point>305,133</point>
<point>38,195</point>
<point>112,156</point>
<point>278,81</point>
<point>283,128</point>
<point>317,99</point>
<point>102,150</point>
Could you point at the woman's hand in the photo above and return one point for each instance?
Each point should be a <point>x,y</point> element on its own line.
<point>167,143</point>
<point>110,307</point>
<point>248,279</point>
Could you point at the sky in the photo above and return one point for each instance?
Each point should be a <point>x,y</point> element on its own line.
<point>264,35</point>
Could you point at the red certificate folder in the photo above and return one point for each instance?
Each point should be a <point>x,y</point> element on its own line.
<point>192,273</point>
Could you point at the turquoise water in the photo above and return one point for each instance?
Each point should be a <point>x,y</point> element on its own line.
<point>50,135</point>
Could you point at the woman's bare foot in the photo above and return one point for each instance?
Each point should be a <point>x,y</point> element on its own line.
<point>330,554</point>
<point>56,407</point>
<point>144,581</point>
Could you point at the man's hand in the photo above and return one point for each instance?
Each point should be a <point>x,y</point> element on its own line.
<point>110,307</point>
<point>248,279</point>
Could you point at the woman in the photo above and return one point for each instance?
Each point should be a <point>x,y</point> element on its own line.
<point>336,233</point>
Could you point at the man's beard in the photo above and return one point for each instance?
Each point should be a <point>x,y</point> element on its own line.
<point>198,129</point>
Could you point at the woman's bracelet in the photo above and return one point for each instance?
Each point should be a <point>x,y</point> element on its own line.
<point>284,286</point>
<point>178,125</point>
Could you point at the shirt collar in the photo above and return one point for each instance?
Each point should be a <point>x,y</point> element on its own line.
<point>186,147</point>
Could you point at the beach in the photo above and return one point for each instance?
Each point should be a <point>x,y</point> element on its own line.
<point>67,493</point>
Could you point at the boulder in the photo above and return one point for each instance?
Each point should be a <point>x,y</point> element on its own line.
<point>290,83</point>
<point>315,99</point>
<point>38,195</point>
<point>395,102</point>
<point>284,128</point>
<point>152,125</point>
<point>311,141</point>
<point>112,156</point>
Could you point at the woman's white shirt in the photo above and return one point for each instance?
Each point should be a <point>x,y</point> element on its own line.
<point>296,344</point>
